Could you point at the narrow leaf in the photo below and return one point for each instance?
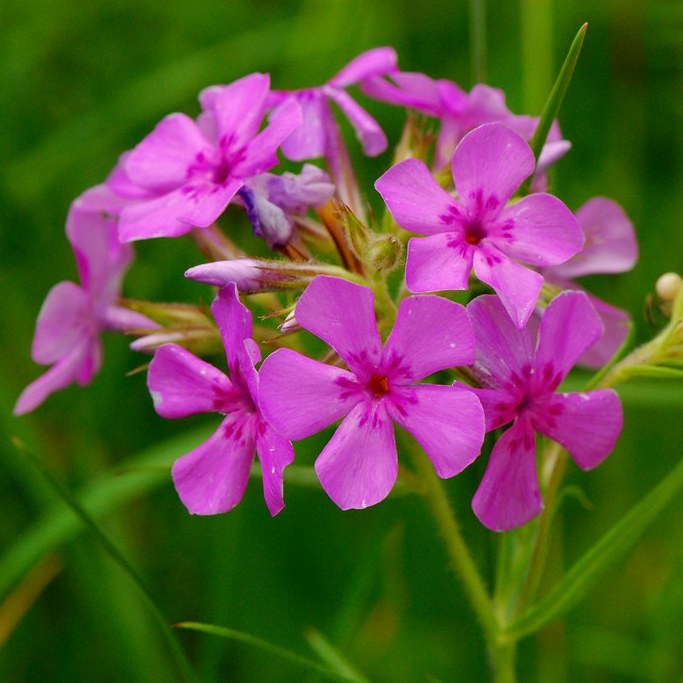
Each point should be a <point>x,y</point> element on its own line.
<point>331,656</point>
<point>275,650</point>
<point>554,101</point>
<point>184,668</point>
<point>608,550</point>
<point>652,371</point>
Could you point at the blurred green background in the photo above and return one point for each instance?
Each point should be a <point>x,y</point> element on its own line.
<point>82,81</point>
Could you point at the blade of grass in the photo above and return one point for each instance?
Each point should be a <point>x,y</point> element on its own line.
<point>264,645</point>
<point>330,655</point>
<point>610,548</point>
<point>184,668</point>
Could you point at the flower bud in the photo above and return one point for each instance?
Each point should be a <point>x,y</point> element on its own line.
<point>668,286</point>
<point>384,253</point>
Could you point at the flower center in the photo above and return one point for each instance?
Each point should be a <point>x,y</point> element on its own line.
<point>378,385</point>
<point>474,233</point>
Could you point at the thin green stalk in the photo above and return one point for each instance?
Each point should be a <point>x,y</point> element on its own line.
<point>478,40</point>
<point>501,648</point>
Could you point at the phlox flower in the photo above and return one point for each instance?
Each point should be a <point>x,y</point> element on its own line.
<point>213,477</point>
<point>185,172</point>
<point>477,230</point>
<point>67,335</point>
<point>610,247</point>
<point>459,112</point>
<point>273,201</point>
<point>301,396</point>
<point>313,138</point>
<point>519,376</point>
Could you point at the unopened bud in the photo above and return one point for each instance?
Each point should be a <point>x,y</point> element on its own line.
<point>202,341</point>
<point>668,286</point>
<point>384,253</point>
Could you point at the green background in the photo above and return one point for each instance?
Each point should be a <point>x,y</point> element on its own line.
<point>82,81</point>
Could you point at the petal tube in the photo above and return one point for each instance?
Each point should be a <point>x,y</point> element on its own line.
<point>213,477</point>
<point>438,263</point>
<point>448,422</point>
<point>161,161</point>
<point>299,396</point>
<point>586,424</point>
<point>489,164</point>
<point>569,326</point>
<point>518,287</point>
<point>342,314</point>
<point>544,231</point>
<point>359,465</point>
<point>274,454</point>
<point>416,200</point>
<point>182,384</point>
<point>502,350</point>
<point>508,495</point>
<point>235,324</point>
<point>611,245</point>
<point>430,334</point>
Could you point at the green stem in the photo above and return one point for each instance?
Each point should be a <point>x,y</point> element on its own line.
<point>501,648</point>
<point>478,40</point>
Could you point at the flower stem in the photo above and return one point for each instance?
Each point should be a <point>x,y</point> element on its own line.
<point>501,648</point>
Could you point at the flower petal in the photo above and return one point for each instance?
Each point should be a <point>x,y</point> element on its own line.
<point>342,314</point>
<point>307,141</point>
<point>489,164</point>
<point>182,384</point>
<point>359,465</point>
<point>416,200</point>
<point>368,131</point>
<point>518,287</point>
<point>375,62</point>
<point>64,321</point>
<point>274,453</point>
<point>499,407</point>
<point>544,231</point>
<point>430,334</point>
<point>300,396</point>
<point>448,422</point>
<point>586,424</point>
<point>204,203</point>
<point>617,323</point>
<point>569,327</point>
<point>438,263</point>
<point>79,365</point>
<point>261,152</point>
<point>237,109</point>
<point>161,161</point>
<point>158,217</point>
<point>508,495</point>
<point>611,245</point>
<point>501,350</point>
<point>213,477</point>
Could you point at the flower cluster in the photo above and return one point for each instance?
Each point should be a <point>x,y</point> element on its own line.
<point>489,225</point>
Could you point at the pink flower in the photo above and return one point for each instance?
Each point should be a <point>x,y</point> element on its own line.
<point>478,230</point>
<point>185,172</point>
<point>610,247</point>
<point>312,138</point>
<point>70,321</point>
<point>520,376</point>
<point>301,396</point>
<point>213,477</point>
<point>459,112</point>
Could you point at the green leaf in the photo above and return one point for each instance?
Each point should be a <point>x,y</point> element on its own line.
<point>331,656</point>
<point>554,101</point>
<point>652,371</point>
<point>184,668</point>
<point>275,650</point>
<point>608,550</point>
